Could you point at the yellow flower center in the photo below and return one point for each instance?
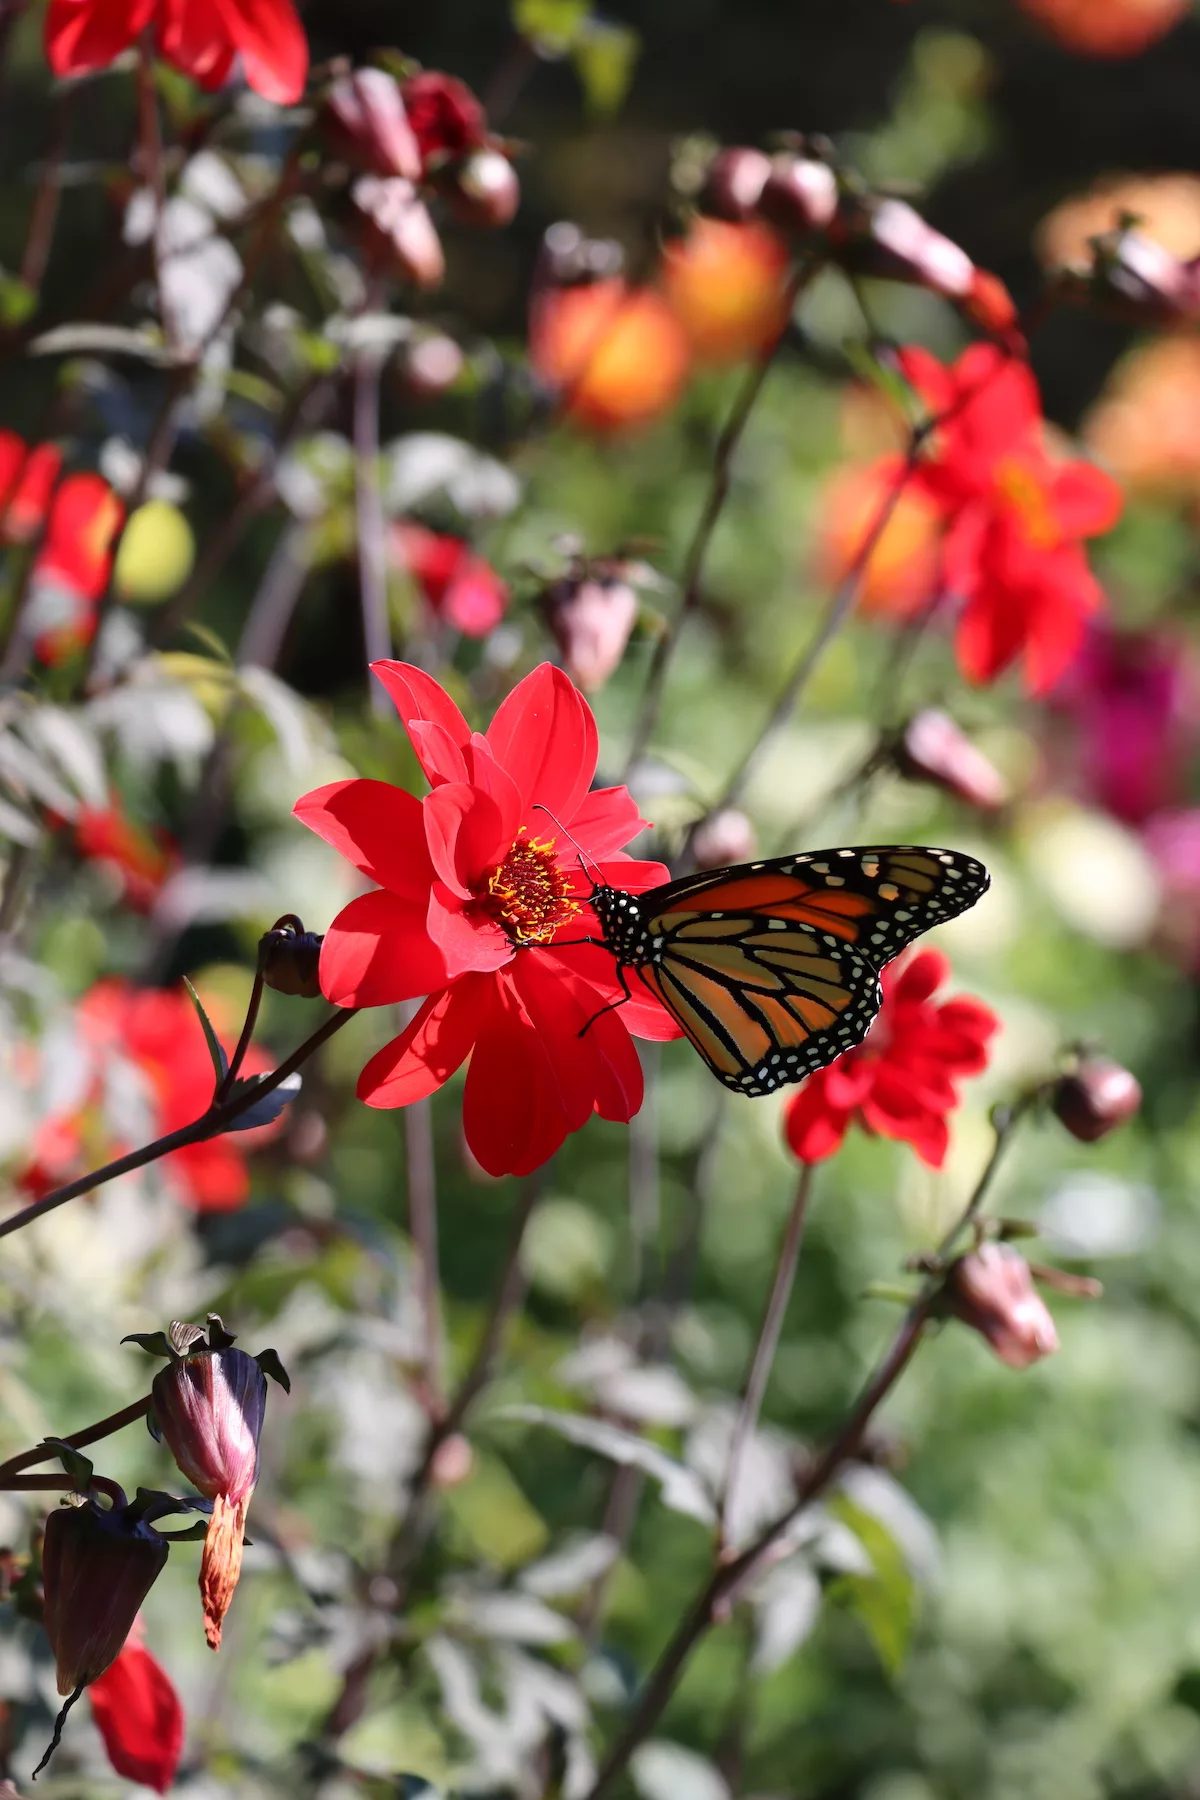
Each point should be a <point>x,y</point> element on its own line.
<point>1030,501</point>
<point>528,894</point>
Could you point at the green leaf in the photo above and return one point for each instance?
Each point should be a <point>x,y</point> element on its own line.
<point>76,1464</point>
<point>220,1066</point>
<point>885,1601</point>
<point>203,634</point>
<point>18,301</point>
<point>551,26</point>
<point>268,1361</point>
<point>604,56</point>
<point>155,1343</point>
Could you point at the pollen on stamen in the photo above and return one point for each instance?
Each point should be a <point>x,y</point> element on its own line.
<point>529,893</point>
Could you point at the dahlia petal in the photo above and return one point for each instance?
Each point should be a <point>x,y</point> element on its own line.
<point>378,952</point>
<point>81,36</point>
<point>990,636</point>
<point>270,40</point>
<point>465,832</point>
<point>1000,409</point>
<point>426,1054</point>
<point>545,736</point>
<point>1055,632</point>
<point>465,941</point>
<point>592,1052</point>
<point>378,828</point>
<point>969,1019</point>
<point>926,1131</point>
<point>814,1129</point>
<point>512,1117</point>
<point>139,1716</point>
<point>485,773</point>
<point>418,698</point>
<point>605,820</point>
<point>917,979</point>
<point>194,39</point>
<point>1085,500</point>
<point>964,550</point>
<point>12,461</point>
<point>642,1014</point>
<point>932,380</point>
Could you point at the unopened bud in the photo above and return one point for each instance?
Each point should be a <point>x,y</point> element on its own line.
<point>734,184</point>
<point>289,958</point>
<point>484,190</point>
<point>992,1291</point>
<point>366,122</point>
<point>98,1565</point>
<point>1096,1097</point>
<point>452,1461</point>
<point>724,837</point>
<point>932,748</point>
<point>799,195</point>
<point>402,226</point>
<point>910,250</point>
<point>591,617</point>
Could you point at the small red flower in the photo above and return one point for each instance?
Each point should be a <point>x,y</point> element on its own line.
<point>477,888</point>
<point>1015,518</point>
<point>202,38</point>
<point>74,562</point>
<point>139,1716</point>
<point>900,1083</point>
<point>446,118</point>
<point>460,587</point>
<point>141,860</point>
<point>27,479</point>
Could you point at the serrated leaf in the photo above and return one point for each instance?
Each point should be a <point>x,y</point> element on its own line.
<point>885,1601</point>
<point>77,1465</point>
<point>681,1490</point>
<point>216,1054</point>
<point>156,1343</point>
<point>268,1361</point>
<point>268,1109</point>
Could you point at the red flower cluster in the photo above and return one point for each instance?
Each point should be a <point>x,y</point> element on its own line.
<point>481,891</point>
<point>202,38</point>
<point>77,520</point>
<point>157,1030</point>
<point>1012,550</point>
<point>458,586</point>
<point>900,1083</point>
<point>139,1716</point>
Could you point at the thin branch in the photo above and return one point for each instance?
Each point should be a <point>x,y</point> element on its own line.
<point>421,1170</point>
<point>768,1343</point>
<point>154,171</point>
<point>44,216</point>
<point>79,1440</point>
<point>368,505</point>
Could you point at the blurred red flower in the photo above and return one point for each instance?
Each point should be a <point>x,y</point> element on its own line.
<point>615,356</point>
<point>157,1030</point>
<point>900,1083</point>
<point>139,1716</point>
<point>460,587</point>
<point>140,860</point>
<point>446,118</point>
<point>77,521</point>
<point>27,479</point>
<point>476,888</point>
<point>1015,517</point>
<point>202,38</point>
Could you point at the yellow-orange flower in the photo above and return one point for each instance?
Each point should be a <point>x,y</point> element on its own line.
<point>728,286</point>
<point>1166,208</point>
<point>1146,425</point>
<point>902,569</point>
<point>1107,27</point>
<point>617,355</point>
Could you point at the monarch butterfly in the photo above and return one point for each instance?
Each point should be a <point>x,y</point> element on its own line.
<point>772,968</point>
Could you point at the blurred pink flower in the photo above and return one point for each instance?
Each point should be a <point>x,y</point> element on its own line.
<point>1173,840</point>
<point>992,1291</point>
<point>1134,698</point>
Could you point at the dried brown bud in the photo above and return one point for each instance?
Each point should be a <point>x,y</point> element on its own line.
<point>734,184</point>
<point>932,748</point>
<point>992,1291</point>
<point>591,617</point>
<point>799,195</point>
<point>365,121</point>
<point>1096,1097</point>
<point>724,837</point>
<point>98,1565</point>
<point>484,190</point>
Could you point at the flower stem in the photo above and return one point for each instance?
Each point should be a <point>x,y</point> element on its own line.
<point>421,1170</point>
<point>79,1440</point>
<point>768,1343</point>
<point>210,1124</point>
<point>368,509</point>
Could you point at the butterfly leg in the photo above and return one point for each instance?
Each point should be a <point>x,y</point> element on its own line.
<point>613,1005</point>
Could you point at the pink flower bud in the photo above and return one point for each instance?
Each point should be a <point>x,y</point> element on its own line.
<point>933,749</point>
<point>911,250</point>
<point>432,364</point>
<point>724,837</point>
<point>98,1565</point>
<point>402,226</point>
<point>591,618</point>
<point>734,184</point>
<point>366,121</point>
<point>453,1461</point>
<point>484,190</point>
<point>992,1291</point>
<point>799,195</point>
<point>1096,1097</point>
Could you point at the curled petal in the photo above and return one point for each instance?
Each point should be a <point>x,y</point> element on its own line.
<point>82,37</point>
<point>271,42</point>
<point>466,939</point>
<point>1086,501</point>
<point>427,1053</point>
<point>221,1562</point>
<point>464,828</point>
<point>545,736</point>
<point>419,698</point>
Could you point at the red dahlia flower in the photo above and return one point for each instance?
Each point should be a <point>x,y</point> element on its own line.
<point>459,586</point>
<point>140,860</point>
<point>203,38</point>
<point>900,1083</point>
<point>139,1716</point>
<point>1016,519</point>
<point>478,891</point>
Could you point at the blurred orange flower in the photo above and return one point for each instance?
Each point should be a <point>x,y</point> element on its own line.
<point>727,285</point>
<point>617,355</point>
<point>902,569</point>
<point>1166,207</point>
<point>1146,425</point>
<point>1106,27</point>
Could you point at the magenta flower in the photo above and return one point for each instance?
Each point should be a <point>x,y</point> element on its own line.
<point>1134,698</point>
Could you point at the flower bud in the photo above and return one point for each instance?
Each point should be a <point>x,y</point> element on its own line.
<point>289,958</point>
<point>98,1565</point>
<point>724,837</point>
<point>734,184</point>
<point>992,1291</point>
<point>591,618</point>
<point>402,226</point>
<point>453,1461</point>
<point>365,120</point>
<point>933,749</point>
<point>907,249</point>
<point>799,195</point>
<point>445,117</point>
<point>484,190</point>
<point>1096,1097</point>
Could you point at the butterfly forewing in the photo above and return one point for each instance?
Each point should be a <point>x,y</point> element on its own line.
<point>772,968</point>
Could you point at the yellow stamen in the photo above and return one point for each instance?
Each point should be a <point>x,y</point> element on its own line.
<point>528,893</point>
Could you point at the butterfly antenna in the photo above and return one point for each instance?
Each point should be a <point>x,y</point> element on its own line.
<point>597,879</point>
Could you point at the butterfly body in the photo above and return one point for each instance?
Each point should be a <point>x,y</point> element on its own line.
<point>772,968</point>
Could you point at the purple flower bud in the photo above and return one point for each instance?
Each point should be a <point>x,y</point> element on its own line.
<point>402,226</point>
<point>591,617</point>
<point>1096,1097</point>
<point>289,958</point>
<point>484,190</point>
<point>992,1291</point>
<point>98,1565</point>
<point>366,120</point>
<point>933,749</point>
<point>734,184</point>
<point>209,1407</point>
<point>799,195</point>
